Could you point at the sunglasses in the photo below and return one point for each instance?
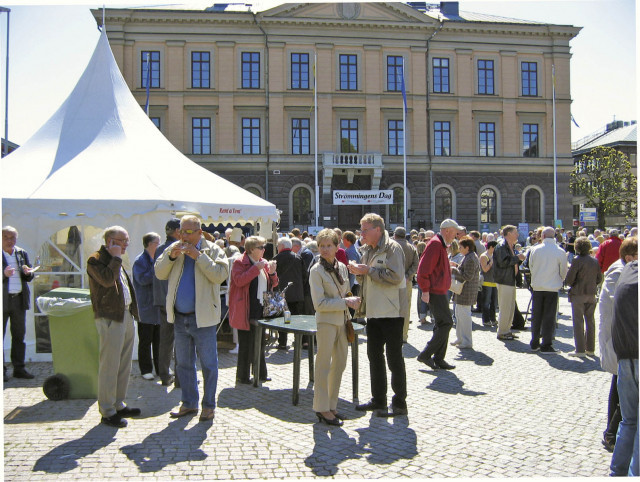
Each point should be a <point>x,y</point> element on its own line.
<point>188,231</point>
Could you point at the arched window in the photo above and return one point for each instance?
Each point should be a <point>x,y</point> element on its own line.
<point>532,207</point>
<point>488,206</point>
<point>301,205</point>
<point>254,189</point>
<point>444,204</point>
<point>396,210</point>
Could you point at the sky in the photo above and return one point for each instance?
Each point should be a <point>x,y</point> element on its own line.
<point>51,43</point>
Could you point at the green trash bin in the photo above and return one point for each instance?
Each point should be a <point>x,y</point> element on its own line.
<point>74,343</point>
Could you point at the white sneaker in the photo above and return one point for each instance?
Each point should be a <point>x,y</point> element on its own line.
<point>234,351</point>
<point>578,354</point>
<point>148,376</point>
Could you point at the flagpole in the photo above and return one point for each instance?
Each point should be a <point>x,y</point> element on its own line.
<point>404,145</point>
<point>5,147</point>
<point>315,126</point>
<point>555,159</point>
<point>146,105</point>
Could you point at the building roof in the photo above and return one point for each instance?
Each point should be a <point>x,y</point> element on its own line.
<point>622,135</point>
<point>464,16</point>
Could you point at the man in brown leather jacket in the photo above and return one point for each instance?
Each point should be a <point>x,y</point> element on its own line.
<point>114,307</point>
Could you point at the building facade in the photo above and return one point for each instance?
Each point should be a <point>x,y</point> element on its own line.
<point>236,91</point>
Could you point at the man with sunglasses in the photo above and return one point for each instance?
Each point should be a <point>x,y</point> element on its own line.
<point>195,269</point>
<point>114,306</point>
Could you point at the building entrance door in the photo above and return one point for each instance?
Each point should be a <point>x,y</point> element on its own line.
<point>349,217</point>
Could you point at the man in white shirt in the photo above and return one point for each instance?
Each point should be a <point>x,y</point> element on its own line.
<point>16,273</point>
<point>548,265</point>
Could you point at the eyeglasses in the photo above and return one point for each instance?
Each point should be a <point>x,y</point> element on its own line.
<point>188,231</point>
<point>260,247</point>
<point>123,241</point>
<point>363,231</point>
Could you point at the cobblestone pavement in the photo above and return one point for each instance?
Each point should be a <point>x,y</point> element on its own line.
<point>503,412</point>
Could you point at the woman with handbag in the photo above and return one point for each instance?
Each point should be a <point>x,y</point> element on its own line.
<point>251,276</point>
<point>329,283</point>
<point>467,272</point>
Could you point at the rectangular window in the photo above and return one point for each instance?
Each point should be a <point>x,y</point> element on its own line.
<point>396,138</point>
<point>441,75</point>
<point>348,135</point>
<point>442,138</point>
<point>530,79</point>
<point>200,70</point>
<point>487,137</point>
<point>201,135</point>
<point>299,71</point>
<point>250,135</point>
<point>348,72</point>
<point>300,136</point>
<point>530,140</point>
<point>150,61</point>
<point>156,121</point>
<point>485,77</point>
<point>394,73</point>
<point>250,70</point>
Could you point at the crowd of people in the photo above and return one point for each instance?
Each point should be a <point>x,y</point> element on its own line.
<point>366,275</point>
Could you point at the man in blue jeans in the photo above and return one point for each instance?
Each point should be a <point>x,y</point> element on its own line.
<point>624,335</point>
<point>195,269</point>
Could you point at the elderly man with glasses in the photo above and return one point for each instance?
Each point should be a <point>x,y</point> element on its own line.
<point>114,306</point>
<point>195,269</point>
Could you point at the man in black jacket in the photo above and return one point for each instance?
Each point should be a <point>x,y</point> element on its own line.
<point>165,350</point>
<point>290,269</point>
<point>505,270</point>
<point>16,273</point>
<point>624,335</point>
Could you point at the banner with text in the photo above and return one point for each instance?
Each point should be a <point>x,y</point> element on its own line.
<point>363,197</point>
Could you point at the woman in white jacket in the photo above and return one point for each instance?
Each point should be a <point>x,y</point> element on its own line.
<point>608,359</point>
<point>329,282</point>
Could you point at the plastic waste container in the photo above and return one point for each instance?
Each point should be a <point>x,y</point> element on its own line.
<point>74,344</point>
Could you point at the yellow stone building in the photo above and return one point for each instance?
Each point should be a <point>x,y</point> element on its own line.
<point>234,90</point>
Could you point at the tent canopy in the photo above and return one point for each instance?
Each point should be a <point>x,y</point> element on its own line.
<point>99,160</point>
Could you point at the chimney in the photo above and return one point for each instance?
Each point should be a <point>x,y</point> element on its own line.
<point>449,8</point>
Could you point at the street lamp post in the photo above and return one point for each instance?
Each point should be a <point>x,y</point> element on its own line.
<point>5,147</point>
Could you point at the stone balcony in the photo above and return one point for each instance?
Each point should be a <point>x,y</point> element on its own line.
<point>351,164</point>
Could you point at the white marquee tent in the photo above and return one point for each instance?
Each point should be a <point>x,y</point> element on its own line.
<point>99,161</point>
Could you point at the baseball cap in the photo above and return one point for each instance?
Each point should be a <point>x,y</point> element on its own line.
<point>449,223</point>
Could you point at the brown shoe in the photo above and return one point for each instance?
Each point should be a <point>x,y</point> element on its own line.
<point>207,414</point>
<point>183,412</point>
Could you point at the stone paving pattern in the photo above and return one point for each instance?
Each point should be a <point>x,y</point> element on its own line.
<point>503,412</point>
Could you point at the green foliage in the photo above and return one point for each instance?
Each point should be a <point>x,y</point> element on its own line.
<point>604,177</point>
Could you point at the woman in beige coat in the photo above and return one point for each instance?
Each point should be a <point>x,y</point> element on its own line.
<point>329,282</point>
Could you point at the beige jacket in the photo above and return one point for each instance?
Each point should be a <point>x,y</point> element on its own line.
<point>327,299</point>
<point>381,286</point>
<point>211,269</point>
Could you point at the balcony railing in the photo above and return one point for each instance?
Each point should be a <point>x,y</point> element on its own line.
<point>352,160</point>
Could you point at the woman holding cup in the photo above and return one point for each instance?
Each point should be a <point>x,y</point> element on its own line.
<point>329,282</point>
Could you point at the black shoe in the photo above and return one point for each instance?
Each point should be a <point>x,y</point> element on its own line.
<point>370,405</point>
<point>427,361</point>
<point>114,421</point>
<point>394,412</point>
<point>243,382</point>
<point>128,412</point>
<point>535,346</point>
<point>6,377</point>
<point>444,365</point>
<point>329,421</point>
<point>22,374</point>
<point>265,379</point>
<point>547,349</point>
<point>340,416</point>
<point>168,381</point>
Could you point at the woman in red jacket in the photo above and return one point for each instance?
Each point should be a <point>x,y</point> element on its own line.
<point>251,275</point>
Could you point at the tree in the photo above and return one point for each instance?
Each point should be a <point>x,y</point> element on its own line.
<point>605,179</point>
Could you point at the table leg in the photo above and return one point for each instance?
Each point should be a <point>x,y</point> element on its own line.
<point>257,347</point>
<point>354,368</point>
<point>297,351</point>
<point>312,351</point>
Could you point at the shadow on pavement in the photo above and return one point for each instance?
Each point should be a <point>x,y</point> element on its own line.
<point>386,440</point>
<point>171,445</point>
<point>446,381</point>
<point>477,357</point>
<point>65,457</point>
<point>332,447</point>
<point>50,411</point>
<point>409,351</point>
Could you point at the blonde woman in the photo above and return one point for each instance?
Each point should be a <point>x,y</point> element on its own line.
<point>329,282</point>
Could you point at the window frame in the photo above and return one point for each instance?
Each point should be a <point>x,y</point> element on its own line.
<point>440,69</point>
<point>155,65</point>
<point>529,84</point>
<point>251,130</point>
<point>395,77</point>
<point>496,208</point>
<point>200,62</point>
<point>248,66</point>
<point>350,129</point>
<point>488,133</point>
<point>399,138</point>
<point>293,71</point>
<point>348,85</point>
<point>201,129</point>
<point>301,130</point>
<point>482,75</point>
<point>526,145</point>
<point>435,137</point>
